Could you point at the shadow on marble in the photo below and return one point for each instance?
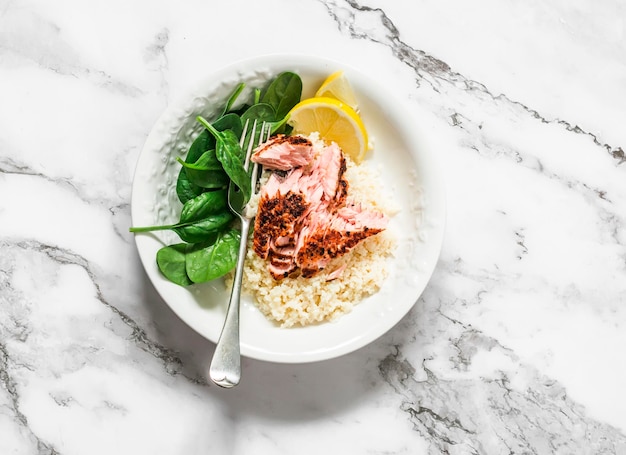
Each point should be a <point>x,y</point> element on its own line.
<point>284,392</point>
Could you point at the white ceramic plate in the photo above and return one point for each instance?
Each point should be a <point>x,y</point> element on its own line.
<point>406,159</point>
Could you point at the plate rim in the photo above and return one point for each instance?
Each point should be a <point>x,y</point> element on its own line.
<point>436,177</point>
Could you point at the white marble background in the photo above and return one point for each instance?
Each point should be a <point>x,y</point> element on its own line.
<point>517,345</point>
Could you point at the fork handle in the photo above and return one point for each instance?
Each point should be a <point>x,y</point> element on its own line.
<point>225,369</point>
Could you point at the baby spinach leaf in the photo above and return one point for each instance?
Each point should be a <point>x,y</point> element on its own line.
<point>205,140</point>
<point>207,179</point>
<point>196,230</point>
<point>189,185</point>
<point>241,109</point>
<point>283,93</point>
<point>185,188</point>
<point>201,144</point>
<point>214,258</point>
<point>280,125</point>
<point>206,172</point>
<point>233,97</point>
<point>230,154</point>
<point>171,262</point>
<point>205,204</point>
<point>206,162</point>
<point>229,122</point>
<point>199,230</point>
<point>261,112</point>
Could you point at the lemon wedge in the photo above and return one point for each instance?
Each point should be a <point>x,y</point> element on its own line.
<point>334,120</point>
<point>337,86</point>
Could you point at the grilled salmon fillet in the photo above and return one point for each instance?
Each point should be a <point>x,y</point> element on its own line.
<point>304,217</point>
<point>283,152</point>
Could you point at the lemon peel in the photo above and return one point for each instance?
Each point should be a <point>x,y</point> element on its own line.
<point>338,86</point>
<point>335,121</point>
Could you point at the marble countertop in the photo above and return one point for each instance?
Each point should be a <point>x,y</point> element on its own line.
<point>515,347</point>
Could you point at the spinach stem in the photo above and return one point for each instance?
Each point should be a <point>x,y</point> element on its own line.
<point>164,227</point>
<point>233,97</point>
<point>151,228</point>
<point>208,126</point>
<point>278,124</point>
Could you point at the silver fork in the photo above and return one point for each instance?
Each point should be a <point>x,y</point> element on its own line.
<point>225,369</point>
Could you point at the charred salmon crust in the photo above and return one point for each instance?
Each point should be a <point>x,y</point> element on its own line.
<point>276,218</point>
<point>322,246</point>
<point>342,185</point>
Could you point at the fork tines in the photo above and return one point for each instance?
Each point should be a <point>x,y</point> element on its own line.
<point>264,135</point>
